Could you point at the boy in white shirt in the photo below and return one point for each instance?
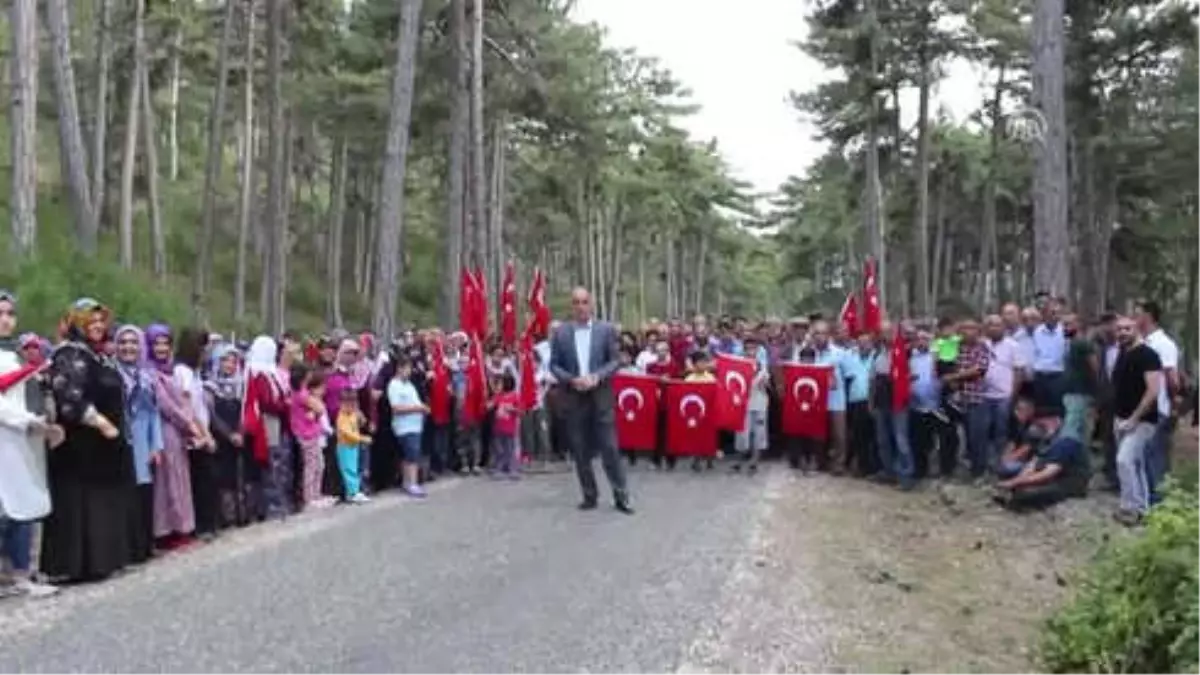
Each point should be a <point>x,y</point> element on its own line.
<point>751,441</point>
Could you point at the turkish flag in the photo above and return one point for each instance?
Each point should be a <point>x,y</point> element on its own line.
<point>900,372</point>
<point>475,403</point>
<point>806,400</point>
<point>482,322</point>
<point>467,312</point>
<point>13,377</point>
<point>508,306</point>
<point>735,375</point>
<point>691,409</point>
<point>528,370</point>
<point>312,354</point>
<point>540,323</point>
<point>872,314</point>
<point>849,315</point>
<point>439,388</point>
<point>636,401</point>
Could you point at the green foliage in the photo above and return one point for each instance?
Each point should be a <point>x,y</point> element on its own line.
<point>1137,608</point>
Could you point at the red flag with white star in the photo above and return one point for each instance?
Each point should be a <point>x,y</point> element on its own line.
<point>806,400</point>
<point>849,315</point>
<point>872,313</point>
<point>508,306</point>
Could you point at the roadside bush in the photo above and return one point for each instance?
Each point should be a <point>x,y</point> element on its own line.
<point>1138,605</point>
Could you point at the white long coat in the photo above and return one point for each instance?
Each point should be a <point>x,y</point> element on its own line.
<point>23,491</point>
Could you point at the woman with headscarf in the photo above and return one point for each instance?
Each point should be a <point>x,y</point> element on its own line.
<point>264,416</point>
<point>238,476</point>
<point>143,426</point>
<point>190,353</point>
<point>91,473</point>
<point>174,509</point>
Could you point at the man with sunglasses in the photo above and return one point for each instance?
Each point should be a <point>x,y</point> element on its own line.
<point>24,496</point>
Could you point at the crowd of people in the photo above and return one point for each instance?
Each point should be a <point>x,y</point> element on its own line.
<point>119,444</point>
<point>1021,399</point>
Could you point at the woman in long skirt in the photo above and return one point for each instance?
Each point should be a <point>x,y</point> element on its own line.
<point>239,477</point>
<point>174,512</point>
<point>193,343</point>
<point>265,421</point>
<point>87,535</point>
<point>144,427</point>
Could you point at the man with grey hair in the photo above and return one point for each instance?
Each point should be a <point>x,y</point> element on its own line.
<point>583,358</point>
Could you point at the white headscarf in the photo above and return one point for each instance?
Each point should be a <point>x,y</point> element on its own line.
<point>261,358</point>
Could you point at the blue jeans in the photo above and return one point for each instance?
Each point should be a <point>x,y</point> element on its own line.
<point>1158,458</point>
<point>891,438</point>
<point>987,426</point>
<point>1075,407</point>
<point>347,460</point>
<point>16,542</point>
<point>1008,468</point>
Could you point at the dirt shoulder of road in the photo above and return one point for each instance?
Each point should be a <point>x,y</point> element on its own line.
<point>849,576</point>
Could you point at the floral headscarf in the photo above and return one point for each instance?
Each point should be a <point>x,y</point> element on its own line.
<point>136,374</point>
<point>220,384</point>
<point>83,311</point>
<point>153,332</point>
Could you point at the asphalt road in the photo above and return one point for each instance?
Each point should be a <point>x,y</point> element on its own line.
<point>483,576</point>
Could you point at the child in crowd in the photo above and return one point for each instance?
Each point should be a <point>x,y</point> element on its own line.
<point>506,406</point>
<point>408,420</point>
<point>701,370</point>
<point>752,440</point>
<point>349,441</point>
<point>309,423</point>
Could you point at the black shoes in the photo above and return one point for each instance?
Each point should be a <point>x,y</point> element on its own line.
<point>620,503</point>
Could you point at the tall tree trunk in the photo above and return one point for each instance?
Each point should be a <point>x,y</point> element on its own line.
<point>246,201</point>
<point>70,138</point>
<point>23,27</point>
<point>700,260</point>
<point>100,131</point>
<point>924,300</point>
<point>874,210</point>
<point>133,111</point>
<point>456,163</point>
<point>495,216</point>
<point>158,236</point>
<point>388,272</point>
<point>212,164</point>
<point>277,170</point>
<point>337,217</point>
<point>1051,227</point>
<point>478,175</point>
<point>173,92</point>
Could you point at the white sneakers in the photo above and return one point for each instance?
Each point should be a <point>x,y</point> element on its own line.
<point>24,586</point>
<point>359,498</point>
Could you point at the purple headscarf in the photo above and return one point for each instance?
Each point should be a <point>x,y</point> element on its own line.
<point>153,332</point>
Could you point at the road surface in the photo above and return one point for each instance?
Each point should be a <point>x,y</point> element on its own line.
<point>483,576</point>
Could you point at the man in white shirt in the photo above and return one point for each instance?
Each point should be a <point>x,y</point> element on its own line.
<point>1147,313</point>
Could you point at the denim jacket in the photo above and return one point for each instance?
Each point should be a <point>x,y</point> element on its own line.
<point>145,429</point>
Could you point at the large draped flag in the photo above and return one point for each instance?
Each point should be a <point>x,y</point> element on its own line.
<point>482,322</point>
<point>806,400</point>
<point>735,374</point>
<point>540,320</point>
<point>475,399</point>
<point>691,418</point>
<point>508,306</point>
<point>528,371</point>
<point>849,315</point>
<point>900,372</point>
<point>636,401</point>
<point>439,388</point>
<point>468,306</point>
<point>872,313</point>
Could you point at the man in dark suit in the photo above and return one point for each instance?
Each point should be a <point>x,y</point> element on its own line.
<point>583,358</point>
